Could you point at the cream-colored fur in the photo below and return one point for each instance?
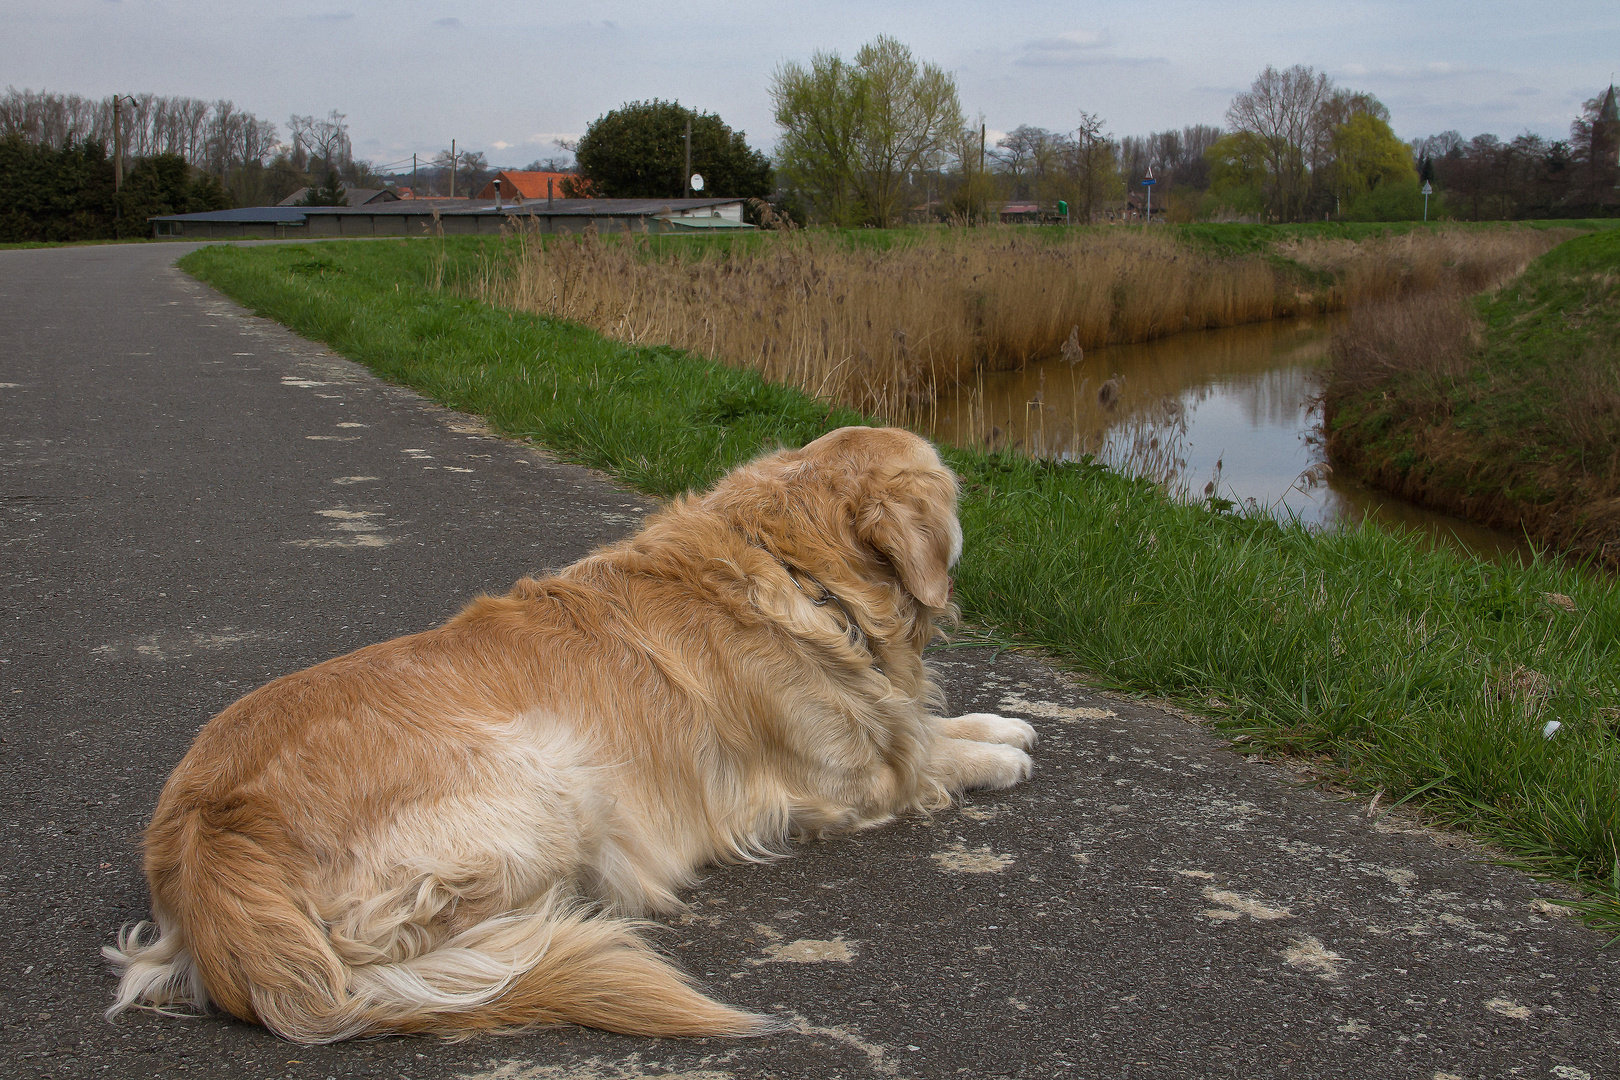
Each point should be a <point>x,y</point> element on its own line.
<point>451,832</point>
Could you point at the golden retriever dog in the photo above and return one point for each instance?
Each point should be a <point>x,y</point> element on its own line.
<point>451,832</point>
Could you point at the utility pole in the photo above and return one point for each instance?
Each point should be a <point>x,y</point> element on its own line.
<point>118,140</point>
<point>413,175</point>
<point>452,168</point>
<point>981,165</point>
<point>686,173</point>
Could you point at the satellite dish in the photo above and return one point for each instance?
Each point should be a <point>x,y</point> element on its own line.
<point>697,181</point>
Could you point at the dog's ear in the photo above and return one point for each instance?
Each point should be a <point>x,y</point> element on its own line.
<point>899,522</point>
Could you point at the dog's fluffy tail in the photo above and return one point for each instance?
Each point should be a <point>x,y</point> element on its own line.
<point>241,939</point>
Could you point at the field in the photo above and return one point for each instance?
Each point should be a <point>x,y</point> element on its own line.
<point>1418,675</point>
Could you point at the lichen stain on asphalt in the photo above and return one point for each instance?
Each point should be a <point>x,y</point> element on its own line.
<point>593,1068</point>
<point>367,541</point>
<point>363,532</point>
<point>1309,954</point>
<point>876,1055</point>
<point>1235,906</point>
<point>167,645</point>
<point>1510,1009</point>
<point>1016,703</point>
<point>961,859</point>
<point>810,951</point>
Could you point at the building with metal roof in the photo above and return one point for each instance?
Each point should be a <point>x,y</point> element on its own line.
<point>356,196</point>
<point>459,217</point>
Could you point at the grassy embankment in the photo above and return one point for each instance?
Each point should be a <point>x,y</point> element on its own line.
<point>1504,408</point>
<point>1414,673</point>
<point>882,321</point>
<point>20,245</point>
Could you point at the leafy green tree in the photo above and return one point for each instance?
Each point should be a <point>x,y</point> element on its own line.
<point>638,151</point>
<point>165,184</point>
<point>1393,200</point>
<point>67,194</point>
<point>1238,171</point>
<point>820,112</point>
<point>1367,157</point>
<point>330,193</point>
<point>48,194</point>
<point>855,134</point>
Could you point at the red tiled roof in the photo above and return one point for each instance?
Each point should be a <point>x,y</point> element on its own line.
<point>530,185</point>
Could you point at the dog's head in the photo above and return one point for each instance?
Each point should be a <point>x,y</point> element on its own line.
<point>880,495</point>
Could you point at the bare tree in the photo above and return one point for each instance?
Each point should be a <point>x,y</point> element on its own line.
<point>149,124</point>
<point>1096,166</point>
<point>298,131</point>
<point>329,140</point>
<point>1015,157</point>
<point>1283,110</point>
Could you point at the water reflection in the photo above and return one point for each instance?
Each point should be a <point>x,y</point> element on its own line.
<point>1229,412</point>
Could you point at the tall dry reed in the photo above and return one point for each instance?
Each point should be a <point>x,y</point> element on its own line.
<point>1460,260</point>
<point>1429,335</point>
<point>884,330</point>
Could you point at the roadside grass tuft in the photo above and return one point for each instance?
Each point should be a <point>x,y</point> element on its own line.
<point>1419,674</point>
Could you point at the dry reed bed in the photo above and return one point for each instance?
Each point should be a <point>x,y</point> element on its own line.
<point>885,330</point>
<point>1454,260</point>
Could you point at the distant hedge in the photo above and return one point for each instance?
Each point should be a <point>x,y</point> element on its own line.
<point>48,194</point>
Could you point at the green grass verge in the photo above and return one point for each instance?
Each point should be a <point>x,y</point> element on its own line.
<point>1415,672</point>
<point>1245,239</point>
<point>11,245</point>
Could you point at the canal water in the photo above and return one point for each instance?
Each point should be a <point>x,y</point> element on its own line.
<point>1231,413</point>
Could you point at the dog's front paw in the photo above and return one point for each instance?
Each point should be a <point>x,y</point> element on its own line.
<point>1002,766</point>
<point>990,728</point>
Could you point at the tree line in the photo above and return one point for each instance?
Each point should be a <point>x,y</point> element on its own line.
<point>51,194</point>
<point>1487,178</point>
<point>878,139</point>
<point>881,139</point>
<point>179,155</point>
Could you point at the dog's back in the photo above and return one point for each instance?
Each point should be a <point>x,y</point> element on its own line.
<point>393,841</point>
<point>398,840</point>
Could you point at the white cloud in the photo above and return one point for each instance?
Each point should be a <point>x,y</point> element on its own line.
<point>1076,47</point>
<point>1080,39</point>
<point>413,83</point>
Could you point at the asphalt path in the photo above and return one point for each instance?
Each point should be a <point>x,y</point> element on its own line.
<point>196,501</point>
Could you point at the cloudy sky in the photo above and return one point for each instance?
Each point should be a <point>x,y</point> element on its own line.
<point>510,78</point>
